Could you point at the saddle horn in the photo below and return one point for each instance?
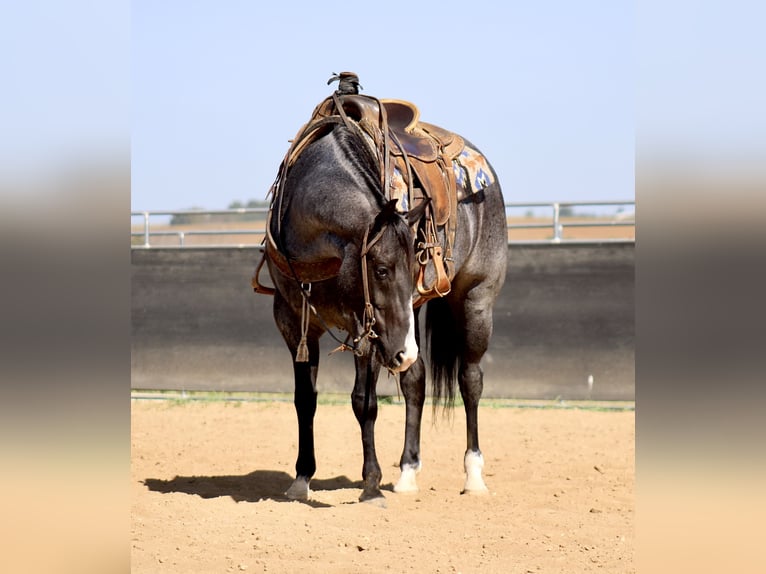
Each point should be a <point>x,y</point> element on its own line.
<point>348,83</point>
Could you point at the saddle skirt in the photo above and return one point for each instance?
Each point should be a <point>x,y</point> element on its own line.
<point>471,172</point>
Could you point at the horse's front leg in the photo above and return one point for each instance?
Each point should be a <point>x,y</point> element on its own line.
<point>305,400</point>
<point>364,400</point>
<point>305,397</point>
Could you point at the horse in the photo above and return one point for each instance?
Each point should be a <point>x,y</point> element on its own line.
<point>343,255</point>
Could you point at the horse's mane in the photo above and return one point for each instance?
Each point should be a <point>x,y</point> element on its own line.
<point>393,222</point>
<point>388,218</point>
<point>359,153</point>
<point>359,158</point>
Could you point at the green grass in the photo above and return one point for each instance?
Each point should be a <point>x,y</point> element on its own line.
<point>177,398</point>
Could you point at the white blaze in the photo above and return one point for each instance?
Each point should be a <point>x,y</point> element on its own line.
<point>410,353</point>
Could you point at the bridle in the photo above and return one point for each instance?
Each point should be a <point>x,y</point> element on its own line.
<point>284,263</point>
<point>369,313</point>
<point>368,332</point>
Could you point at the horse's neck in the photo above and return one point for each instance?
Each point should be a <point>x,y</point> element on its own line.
<point>329,203</point>
<point>317,226</point>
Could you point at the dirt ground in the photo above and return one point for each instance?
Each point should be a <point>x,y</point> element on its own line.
<point>208,477</point>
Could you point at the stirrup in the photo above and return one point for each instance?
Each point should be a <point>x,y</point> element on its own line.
<point>257,286</point>
<point>442,285</point>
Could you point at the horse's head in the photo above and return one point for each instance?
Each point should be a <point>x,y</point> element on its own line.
<point>387,262</point>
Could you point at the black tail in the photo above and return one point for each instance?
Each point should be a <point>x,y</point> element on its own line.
<point>444,350</point>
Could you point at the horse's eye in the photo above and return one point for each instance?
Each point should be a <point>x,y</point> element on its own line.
<point>381,272</point>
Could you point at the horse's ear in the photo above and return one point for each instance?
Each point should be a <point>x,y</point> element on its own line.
<point>390,206</point>
<point>414,214</point>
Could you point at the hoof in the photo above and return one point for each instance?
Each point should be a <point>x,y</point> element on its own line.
<point>299,489</point>
<point>477,490</point>
<point>407,484</point>
<point>374,500</point>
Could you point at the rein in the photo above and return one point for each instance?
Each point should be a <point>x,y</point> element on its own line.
<point>369,312</point>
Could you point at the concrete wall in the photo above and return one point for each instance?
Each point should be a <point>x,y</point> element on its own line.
<point>565,312</point>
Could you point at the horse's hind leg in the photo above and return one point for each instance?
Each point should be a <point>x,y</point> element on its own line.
<point>413,383</point>
<point>478,329</point>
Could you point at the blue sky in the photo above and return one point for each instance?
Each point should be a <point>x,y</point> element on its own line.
<point>544,89</point>
<point>65,96</point>
<point>699,81</point>
<point>201,97</point>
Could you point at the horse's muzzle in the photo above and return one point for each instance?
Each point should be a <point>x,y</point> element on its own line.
<point>404,358</point>
<point>402,361</point>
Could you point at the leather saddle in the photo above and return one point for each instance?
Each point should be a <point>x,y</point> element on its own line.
<point>422,153</point>
<point>427,148</point>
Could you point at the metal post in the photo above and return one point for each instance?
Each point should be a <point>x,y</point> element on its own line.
<point>556,224</point>
<point>146,228</point>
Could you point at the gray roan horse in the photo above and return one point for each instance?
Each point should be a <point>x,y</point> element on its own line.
<point>341,255</point>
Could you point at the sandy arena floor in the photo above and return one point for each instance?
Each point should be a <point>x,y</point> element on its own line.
<point>208,477</point>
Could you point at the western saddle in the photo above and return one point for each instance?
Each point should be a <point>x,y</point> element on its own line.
<point>415,165</point>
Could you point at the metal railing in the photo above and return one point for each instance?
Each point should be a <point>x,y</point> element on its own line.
<point>193,215</point>
<point>562,217</point>
<point>557,224</point>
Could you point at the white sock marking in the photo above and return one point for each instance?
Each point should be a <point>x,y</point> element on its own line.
<point>407,482</point>
<point>474,483</point>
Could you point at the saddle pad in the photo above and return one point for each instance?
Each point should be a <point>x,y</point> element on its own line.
<point>472,172</point>
<point>472,175</point>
